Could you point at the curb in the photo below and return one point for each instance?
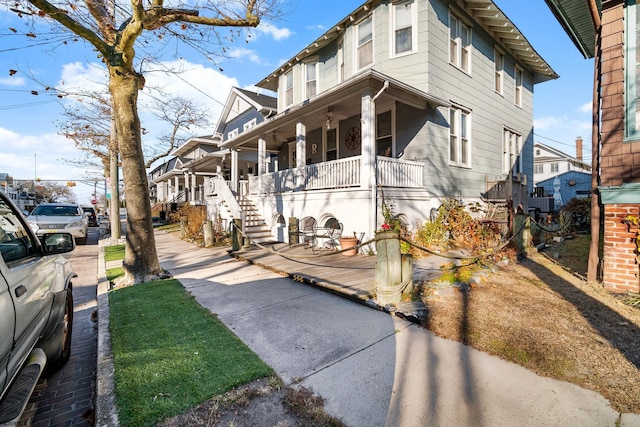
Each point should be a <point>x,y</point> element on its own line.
<point>106,411</point>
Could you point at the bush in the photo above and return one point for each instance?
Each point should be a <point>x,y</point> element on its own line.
<point>191,218</point>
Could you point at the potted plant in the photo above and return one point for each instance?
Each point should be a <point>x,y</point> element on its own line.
<point>349,242</point>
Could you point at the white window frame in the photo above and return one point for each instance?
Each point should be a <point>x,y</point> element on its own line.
<point>498,60</point>
<point>459,137</point>
<point>538,168</point>
<point>459,53</point>
<point>518,82</point>
<point>232,133</point>
<point>308,81</point>
<point>251,123</point>
<point>511,152</point>
<point>288,88</point>
<point>369,42</point>
<point>555,167</point>
<point>632,71</point>
<point>396,31</point>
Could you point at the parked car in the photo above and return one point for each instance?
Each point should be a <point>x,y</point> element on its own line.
<point>36,307</point>
<point>53,217</point>
<point>90,213</point>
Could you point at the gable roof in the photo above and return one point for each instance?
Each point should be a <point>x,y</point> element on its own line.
<point>579,22</point>
<point>262,103</point>
<point>560,155</point>
<point>486,13</point>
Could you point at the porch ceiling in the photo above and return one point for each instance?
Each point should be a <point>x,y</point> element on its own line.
<point>345,100</point>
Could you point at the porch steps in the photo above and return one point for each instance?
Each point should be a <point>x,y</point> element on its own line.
<point>255,226</point>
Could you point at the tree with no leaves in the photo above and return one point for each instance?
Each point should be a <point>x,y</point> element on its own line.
<point>95,21</point>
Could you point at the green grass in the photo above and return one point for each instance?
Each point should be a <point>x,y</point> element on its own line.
<point>170,353</point>
<point>114,273</point>
<point>113,253</point>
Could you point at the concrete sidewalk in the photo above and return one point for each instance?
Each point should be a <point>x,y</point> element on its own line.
<point>371,368</point>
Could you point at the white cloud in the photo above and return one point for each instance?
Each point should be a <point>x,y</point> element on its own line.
<point>12,81</point>
<point>78,77</point>
<point>586,107</point>
<point>273,31</point>
<point>317,27</point>
<point>548,122</point>
<point>242,53</point>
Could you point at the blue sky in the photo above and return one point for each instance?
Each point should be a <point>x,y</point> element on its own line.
<point>30,145</point>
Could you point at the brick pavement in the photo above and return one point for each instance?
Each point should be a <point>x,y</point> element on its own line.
<point>67,397</point>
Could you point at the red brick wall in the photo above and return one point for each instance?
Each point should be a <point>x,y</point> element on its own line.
<point>621,272</point>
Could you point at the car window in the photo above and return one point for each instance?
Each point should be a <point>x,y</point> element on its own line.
<point>56,211</point>
<point>15,241</point>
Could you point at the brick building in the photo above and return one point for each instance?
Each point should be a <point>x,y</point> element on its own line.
<point>607,30</point>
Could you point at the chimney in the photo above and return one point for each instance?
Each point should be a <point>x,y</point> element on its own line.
<point>579,148</point>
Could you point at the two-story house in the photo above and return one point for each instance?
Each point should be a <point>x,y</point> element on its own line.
<point>549,162</point>
<point>607,30</point>
<point>182,178</point>
<point>419,100</point>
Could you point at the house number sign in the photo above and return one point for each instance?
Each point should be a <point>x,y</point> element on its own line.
<point>352,138</point>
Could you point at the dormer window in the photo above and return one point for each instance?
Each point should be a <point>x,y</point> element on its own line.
<point>365,43</point>
<point>249,124</point>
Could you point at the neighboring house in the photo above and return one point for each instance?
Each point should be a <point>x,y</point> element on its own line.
<point>607,31</point>
<point>422,100</point>
<point>19,194</point>
<point>564,187</point>
<point>549,162</point>
<point>182,178</point>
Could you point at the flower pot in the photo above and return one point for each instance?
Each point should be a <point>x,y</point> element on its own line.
<point>349,243</point>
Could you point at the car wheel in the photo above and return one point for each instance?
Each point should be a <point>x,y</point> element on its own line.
<point>64,339</point>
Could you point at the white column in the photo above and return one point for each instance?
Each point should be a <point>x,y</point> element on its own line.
<point>234,170</point>
<point>193,187</point>
<point>262,156</point>
<point>368,162</point>
<point>176,187</point>
<point>301,153</point>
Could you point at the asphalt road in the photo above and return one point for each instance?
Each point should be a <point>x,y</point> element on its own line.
<point>66,398</point>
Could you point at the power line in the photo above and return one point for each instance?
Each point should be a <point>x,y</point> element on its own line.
<point>584,148</point>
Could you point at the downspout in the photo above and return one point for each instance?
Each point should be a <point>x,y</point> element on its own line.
<point>374,180</point>
<point>594,247</point>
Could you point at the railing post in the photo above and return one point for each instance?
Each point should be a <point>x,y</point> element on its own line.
<point>294,229</point>
<point>388,275</point>
<point>522,226</point>
<point>236,235</point>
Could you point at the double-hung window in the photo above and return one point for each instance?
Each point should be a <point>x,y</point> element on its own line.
<point>459,137</point>
<point>519,82</point>
<point>499,71</point>
<point>459,44</point>
<point>632,71</point>
<point>365,43</point>
<point>288,88</point>
<point>511,152</point>
<point>404,33</point>
<point>311,79</point>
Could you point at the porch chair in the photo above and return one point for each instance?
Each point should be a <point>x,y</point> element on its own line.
<point>334,236</point>
<point>307,229</point>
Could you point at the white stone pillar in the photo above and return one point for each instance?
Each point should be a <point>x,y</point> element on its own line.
<point>368,162</point>
<point>301,153</point>
<point>234,170</point>
<point>176,186</point>
<point>193,186</point>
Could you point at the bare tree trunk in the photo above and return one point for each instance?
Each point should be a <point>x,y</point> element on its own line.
<point>141,259</point>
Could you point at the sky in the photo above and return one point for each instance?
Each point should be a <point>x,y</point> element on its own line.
<point>31,146</point>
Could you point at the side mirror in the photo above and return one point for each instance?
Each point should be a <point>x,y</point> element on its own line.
<point>58,243</point>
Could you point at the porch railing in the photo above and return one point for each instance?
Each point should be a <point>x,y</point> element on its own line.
<point>342,173</point>
<point>400,173</point>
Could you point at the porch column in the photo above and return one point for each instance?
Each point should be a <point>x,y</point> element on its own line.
<point>193,186</point>
<point>368,158</point>
<point>176,187</point>
<point>185,176</point>
<point>301,153</point>
<point>234,170</point>
<point>262,163</point>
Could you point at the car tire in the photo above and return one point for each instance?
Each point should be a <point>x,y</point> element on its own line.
<point>64,341</point>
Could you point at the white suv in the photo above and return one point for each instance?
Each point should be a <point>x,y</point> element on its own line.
<point>36,307</point>
<point>53,217</point>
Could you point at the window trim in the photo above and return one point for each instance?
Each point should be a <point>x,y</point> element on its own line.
<point>512,152</point>
<point>455,131</point>
<point>458,61</point>
<point>632,68</point>
<point>498,76</point>
<point>288,89</point>
<point>357,45</point>
<point>306,64</point>
<point>394,29</point>
<point>232,133</point>
<point>248,125</point>
<point>518,86</point>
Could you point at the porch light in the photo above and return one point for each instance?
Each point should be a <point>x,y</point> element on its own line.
<point>329,120</point>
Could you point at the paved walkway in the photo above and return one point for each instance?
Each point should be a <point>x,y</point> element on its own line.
<point>373,369</point>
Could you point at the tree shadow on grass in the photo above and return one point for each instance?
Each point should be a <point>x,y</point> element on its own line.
<point>611,325</point>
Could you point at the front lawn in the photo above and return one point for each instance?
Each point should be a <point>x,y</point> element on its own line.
<point>170,353</point>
